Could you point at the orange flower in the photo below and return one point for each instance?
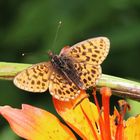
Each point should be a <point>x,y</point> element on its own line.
<point>88,120</point>
<point>35,124</point>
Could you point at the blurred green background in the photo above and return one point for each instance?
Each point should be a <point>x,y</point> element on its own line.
<point>30,26</point>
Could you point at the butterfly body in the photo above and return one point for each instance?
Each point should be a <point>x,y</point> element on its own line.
<point>75,68</point>
<point>64,66</point>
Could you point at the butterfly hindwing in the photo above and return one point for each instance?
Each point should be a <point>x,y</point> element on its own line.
<point>61,88</point>
<point>89,74</point>
<point>34,78</point>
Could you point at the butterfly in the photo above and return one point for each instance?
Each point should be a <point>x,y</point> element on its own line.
<point>75,68</point>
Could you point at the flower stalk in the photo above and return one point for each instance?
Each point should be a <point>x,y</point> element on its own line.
<point>120,86</point>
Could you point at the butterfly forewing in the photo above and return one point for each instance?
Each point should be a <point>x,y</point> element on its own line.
<point>61,88</point>
<point>92,51</point>
<point>35,78</point>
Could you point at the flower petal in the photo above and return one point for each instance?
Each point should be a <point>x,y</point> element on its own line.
<point>132,129</point>
<point>81,118</point>
<point>35,124</point>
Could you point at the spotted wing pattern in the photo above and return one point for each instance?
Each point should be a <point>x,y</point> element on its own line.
<point>89,74</point>
<point>35,78</point>
<point>86,57</point>
<point>61,88</point>
<point>92,51</point>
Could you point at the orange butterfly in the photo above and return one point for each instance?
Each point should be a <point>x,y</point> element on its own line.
<point>77,67</point>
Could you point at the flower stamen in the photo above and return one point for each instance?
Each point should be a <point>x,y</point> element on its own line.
<point>120,124</point>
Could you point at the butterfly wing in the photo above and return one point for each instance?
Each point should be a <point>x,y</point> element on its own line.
<point>87,57</point>
<point>34,78</point>
<point>61,88</point>
<point>89,74</point>
<point>92,51</point>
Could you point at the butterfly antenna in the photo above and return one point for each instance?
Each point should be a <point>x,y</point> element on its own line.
<point>25,54</point>
<point>56,34</point>
<point>35,53</point>
<point>54,41</point>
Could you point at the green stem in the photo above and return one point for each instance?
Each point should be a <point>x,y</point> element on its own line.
<point>121,87</point>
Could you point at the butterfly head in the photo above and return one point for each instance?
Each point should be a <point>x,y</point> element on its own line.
<point>50,53</point>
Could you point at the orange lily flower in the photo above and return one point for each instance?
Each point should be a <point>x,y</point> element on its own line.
<point>88,120</point>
